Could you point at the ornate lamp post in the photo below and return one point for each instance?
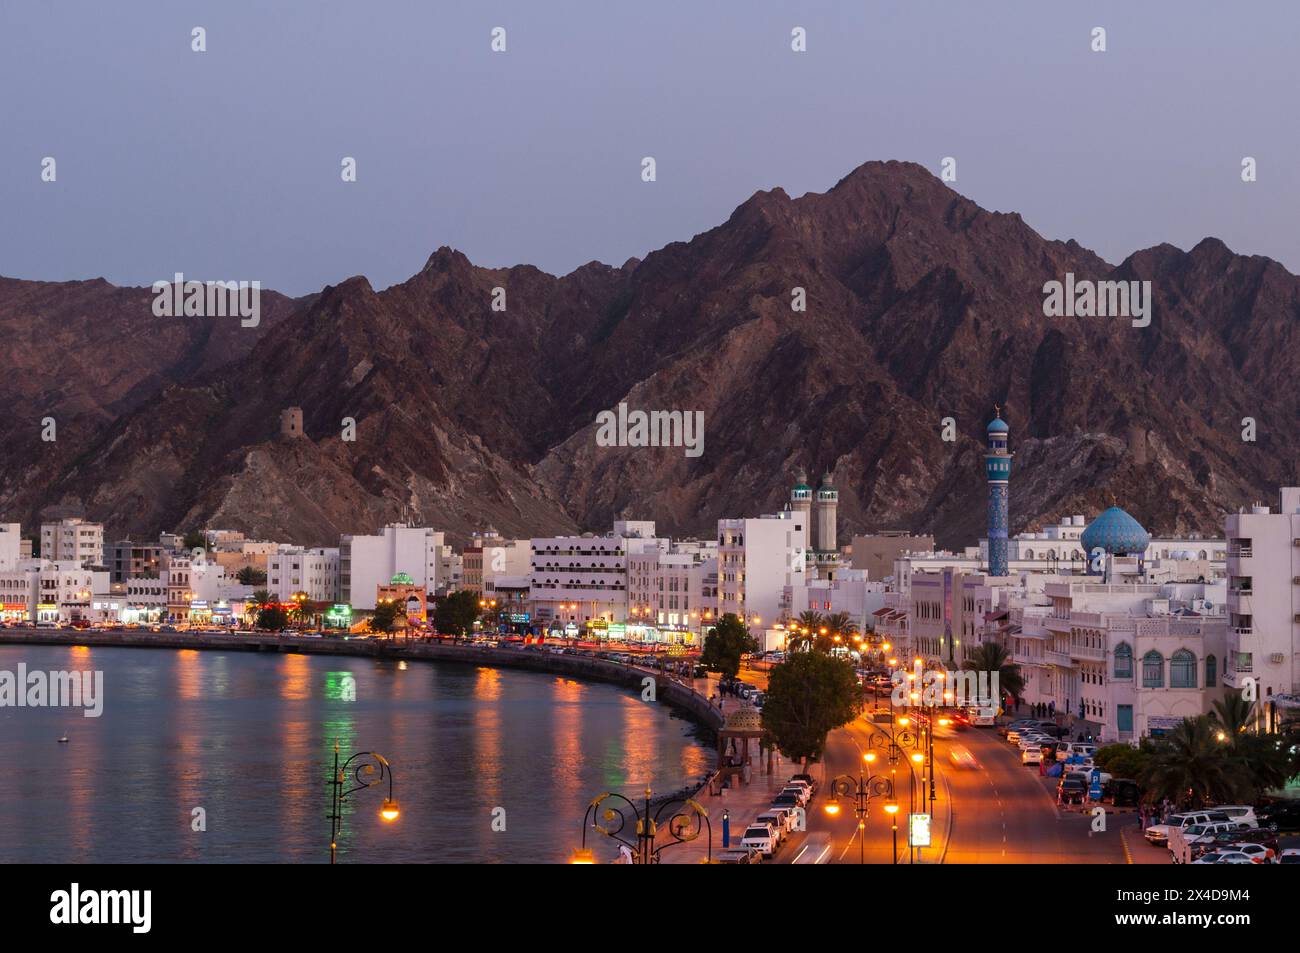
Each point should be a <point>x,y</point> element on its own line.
<point>862,790</point>
<point>364,774</point>
<point>637,829</point>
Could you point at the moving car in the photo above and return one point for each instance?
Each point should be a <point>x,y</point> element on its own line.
<point>738,855</point>
<point>816,849</point>
<point>962,758</point>
<point>1031,756</point>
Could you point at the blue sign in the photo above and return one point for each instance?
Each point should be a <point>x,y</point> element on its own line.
<point>1094,788</point>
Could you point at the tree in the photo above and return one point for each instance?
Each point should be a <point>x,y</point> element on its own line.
<point>1121,760</point>
<point>991,657</point>
<point>808,624</point>
<point>272,617</point>
<point>195,539</point>
<point>251,576</point>
<point>1192,768</point>
<point>723,647</point>
<point>808,696</point>
<point>261,597</point>
<point>1234,714</point>
<point>385,615</point>
<point>456,613</point>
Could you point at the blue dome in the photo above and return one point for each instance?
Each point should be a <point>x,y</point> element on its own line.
<point>1117,533</point>
<point>998,425</point>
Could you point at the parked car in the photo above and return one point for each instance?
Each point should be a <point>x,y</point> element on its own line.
<point>739,855</point>
<point>807,779</point>
<point>1183,842</point>
<point>761,838</point>
<point>1070,790</point>
<point>1289,856</point>
<point>786,800</point>
<point>795,782</point>
<point>1075,748</point>
<point>1258,853</point>
<point>799,791</point>
<point>1031,755</point>
<point>1158,834</point>
<point>1243,814</point>
<point>1282,815</point>
<point>1122,792</point>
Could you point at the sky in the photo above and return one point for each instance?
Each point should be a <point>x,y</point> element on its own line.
<point>225,164</point>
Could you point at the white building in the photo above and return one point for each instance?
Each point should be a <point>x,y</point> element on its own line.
<point>367,562</point>
<point>757,560</point>
<point>1264,604</point>
<point>672,595</point>
<point>11,545</point>
<point>581,582</point>
<point>295,569</point>
<point>44,590</point>
<point>73,539</point>
<point>1123,660</point>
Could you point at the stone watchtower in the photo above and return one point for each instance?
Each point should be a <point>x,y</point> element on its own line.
<point>291,423</point>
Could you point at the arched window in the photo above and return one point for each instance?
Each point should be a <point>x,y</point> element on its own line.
<point>1123,660</point>
<point>1029,554</point>
<point>1211,671</point>
<point>1153,670</point>
<point>1182,670</point>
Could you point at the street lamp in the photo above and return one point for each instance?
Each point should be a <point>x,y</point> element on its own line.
<point>686,820</point>
<point>364,774</point>
<point>862,789</point>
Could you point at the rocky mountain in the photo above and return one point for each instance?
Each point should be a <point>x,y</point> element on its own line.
<point>920,306</point>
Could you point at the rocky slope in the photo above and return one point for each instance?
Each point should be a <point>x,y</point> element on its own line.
<point>920,306</point>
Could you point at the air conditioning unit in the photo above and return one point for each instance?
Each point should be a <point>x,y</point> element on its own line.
<point>1277,658</point>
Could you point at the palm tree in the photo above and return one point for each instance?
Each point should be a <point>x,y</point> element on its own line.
<point>808,622</point>
<point>1233,714</point>
<point>841,624</point>
<point>1191,767</point>
<point>991,657</point>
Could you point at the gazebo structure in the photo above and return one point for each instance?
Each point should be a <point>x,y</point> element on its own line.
<point>734,757</point>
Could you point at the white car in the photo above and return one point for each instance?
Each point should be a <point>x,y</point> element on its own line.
<point>777,818</point>
<point>1033,741</point>
<point>1031,756</point>
<point>799,791</point>
<point>1232,857</point>
<point>1290,855</point>
<point>803,784</point>
<point>1073,749</point>
<point>761,838</point>
<point>1241,813</point>
<point>1158,834</point>
<point>1258,853</point>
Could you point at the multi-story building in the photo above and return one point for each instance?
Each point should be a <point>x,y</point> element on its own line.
<point>581,582</point>
<point>489,555</point>
<point>367,562</point>
<point>44,590</point>
<point>133,560</point>
<point>672,594</point>
<point>875,553</point>
<point>1264,605</point>
<point>1123,660</point>
<point>11,545</point>
<point>73,539</point>
<point>757,559</point>
<point>295,569</point>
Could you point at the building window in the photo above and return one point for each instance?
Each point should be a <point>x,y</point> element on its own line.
<point>1211,671</point>
<point>1182,670</point>
<point>1153,670</point>
<point>1123,660</point>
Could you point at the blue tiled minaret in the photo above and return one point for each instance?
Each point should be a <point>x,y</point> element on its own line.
<point>997,467</point>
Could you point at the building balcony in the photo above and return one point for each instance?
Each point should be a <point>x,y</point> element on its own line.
<point>1061,659</point>
<point>1087,653</point>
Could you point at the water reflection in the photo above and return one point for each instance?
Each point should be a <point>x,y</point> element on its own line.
<point>250,740</point>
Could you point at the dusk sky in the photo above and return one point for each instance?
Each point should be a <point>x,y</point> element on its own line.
<point>226,164</point>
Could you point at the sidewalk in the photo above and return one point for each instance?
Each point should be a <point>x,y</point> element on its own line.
<point>742,804</point>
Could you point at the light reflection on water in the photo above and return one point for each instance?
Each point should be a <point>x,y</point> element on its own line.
<point>250,737</point>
